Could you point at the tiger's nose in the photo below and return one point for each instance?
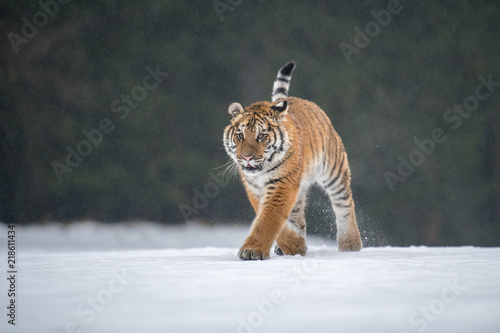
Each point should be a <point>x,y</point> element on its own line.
<point>248,158</point>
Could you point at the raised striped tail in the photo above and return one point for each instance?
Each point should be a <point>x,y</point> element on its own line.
<point>282,83</point>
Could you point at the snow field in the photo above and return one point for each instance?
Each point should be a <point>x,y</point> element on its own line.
<point>148,278</point>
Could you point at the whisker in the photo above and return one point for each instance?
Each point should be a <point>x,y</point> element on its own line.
<point>230,169</point>
<point>225,165</point>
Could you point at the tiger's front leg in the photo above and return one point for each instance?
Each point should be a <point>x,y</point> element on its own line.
<point>276,205</point>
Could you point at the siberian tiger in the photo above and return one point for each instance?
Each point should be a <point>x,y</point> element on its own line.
<point>281,148</point>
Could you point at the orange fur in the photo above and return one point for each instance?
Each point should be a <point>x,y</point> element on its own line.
<point>282,148</point>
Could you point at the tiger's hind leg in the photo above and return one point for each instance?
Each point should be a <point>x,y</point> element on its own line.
<point>348,237</point>
<point>291,239</point>
<point>339,190</point>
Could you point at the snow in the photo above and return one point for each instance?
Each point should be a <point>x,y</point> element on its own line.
<point>144,277</point>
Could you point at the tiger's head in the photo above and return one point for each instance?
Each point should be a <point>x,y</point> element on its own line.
<point>256,138</point>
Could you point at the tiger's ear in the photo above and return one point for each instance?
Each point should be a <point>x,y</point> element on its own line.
<point>280,109</point>
<point>235,109</point>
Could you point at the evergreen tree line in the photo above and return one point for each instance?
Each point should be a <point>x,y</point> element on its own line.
<point>114,110</point>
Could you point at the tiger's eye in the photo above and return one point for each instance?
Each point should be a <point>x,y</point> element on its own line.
<point>240,136</point>
<point>261,136</point>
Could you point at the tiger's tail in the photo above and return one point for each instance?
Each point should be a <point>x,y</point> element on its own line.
<point>282,83</point>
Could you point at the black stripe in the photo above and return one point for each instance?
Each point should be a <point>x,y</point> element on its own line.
<point>336,177</point>
<point>345,196</point>
<point>276,180</point>
<point>280,179</point>
<point>272,140</point>
<point>341,189</point>
<point>227,140</point>
<point>330,184</point>
<point>287,69</point>
<point>283,91</point>
<point>312,150</point>
<point>280,163</point>
<point>282,79</point>
<point>342,205</point>
<point>272,143</point>
<point>282,140</point>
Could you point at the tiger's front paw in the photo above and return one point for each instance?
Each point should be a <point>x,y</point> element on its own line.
<point>249,253</point>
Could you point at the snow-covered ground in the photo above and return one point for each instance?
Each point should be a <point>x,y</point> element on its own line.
<point>144,277</point>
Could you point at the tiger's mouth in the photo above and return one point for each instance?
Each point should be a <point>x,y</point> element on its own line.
<point>252,168</point>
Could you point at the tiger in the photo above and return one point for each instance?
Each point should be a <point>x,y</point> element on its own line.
<point>281,148</point>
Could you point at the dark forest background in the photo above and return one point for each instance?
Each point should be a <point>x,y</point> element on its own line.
<point>73,67</point>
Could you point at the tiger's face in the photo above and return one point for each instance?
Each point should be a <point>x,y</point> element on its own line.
<point>256,137</point>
